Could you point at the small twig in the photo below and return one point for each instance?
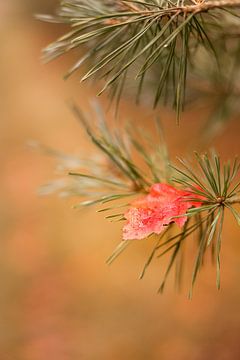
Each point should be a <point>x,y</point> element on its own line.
<point>196,7</point>
<point>209,5</point>
<point>234,200</point>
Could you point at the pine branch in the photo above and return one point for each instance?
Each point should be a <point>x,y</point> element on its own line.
<point>143,41</point>
<point>209,186</point>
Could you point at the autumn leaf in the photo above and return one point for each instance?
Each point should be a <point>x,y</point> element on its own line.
<point>151,213</point>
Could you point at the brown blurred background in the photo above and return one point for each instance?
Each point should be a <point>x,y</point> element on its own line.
<point>58,299</point>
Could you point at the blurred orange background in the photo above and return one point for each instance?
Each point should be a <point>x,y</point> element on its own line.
<point>58,298</point>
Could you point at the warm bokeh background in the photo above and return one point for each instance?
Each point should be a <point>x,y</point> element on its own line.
<point>58,299</point>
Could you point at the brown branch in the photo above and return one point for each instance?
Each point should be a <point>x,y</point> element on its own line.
<point>234,200</point>
<point>209,5</point>
<point>196,7</point>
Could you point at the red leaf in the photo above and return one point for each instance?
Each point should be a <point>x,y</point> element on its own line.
<point>151,213</point>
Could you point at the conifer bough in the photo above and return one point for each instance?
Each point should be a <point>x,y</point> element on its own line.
<point>153,43</point>
<point>150,203</point>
